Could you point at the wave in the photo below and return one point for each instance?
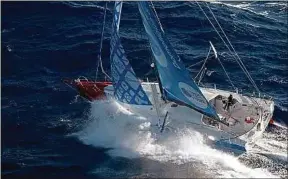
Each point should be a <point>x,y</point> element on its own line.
<point>270,151</point>
<point>85,5</point>
<point>249,8</point>
<point>282,108</point>
<point>277,79</point>
<point>7,30</point>
<point>132,136</point>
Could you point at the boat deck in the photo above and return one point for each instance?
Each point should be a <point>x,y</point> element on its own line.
<point>243,115</point>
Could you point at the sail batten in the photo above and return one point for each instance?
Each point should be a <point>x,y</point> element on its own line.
<point>127,88</point>
<point>175,78</point>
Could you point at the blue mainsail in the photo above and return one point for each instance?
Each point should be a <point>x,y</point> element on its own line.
<point>176,81</point>
<point>127,87</point>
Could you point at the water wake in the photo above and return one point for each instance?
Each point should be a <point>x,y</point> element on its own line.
<point>132,136</point>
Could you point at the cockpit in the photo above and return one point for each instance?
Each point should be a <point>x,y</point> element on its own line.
<point>239,117</point>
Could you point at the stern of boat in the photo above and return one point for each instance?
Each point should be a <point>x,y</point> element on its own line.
<point>266,115</point>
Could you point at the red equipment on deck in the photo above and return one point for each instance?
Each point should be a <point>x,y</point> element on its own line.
<point>90,90</point>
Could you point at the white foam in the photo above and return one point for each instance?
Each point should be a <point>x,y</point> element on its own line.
<point>9,48</point>
<point>131,135</point>
<point>84,5</point>
<point>246,6</point>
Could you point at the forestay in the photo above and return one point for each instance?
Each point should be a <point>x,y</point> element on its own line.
<point>176,81</point>
<point>127,87</point>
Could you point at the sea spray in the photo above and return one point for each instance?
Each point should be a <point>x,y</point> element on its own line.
<point>132,136</point>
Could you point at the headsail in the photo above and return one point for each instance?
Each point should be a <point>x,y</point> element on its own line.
<point>127,87</point>
<point>175,78</point>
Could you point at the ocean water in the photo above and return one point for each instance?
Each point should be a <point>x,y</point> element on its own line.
<point>47,131</point>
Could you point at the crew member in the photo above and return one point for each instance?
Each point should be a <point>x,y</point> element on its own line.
<point>229,102</point>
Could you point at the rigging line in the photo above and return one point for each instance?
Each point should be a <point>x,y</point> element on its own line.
<point>224,41</point>
<point>216,56</point>
<point>203,63</point>
<point>226,37</point>
<point>97,69</point>
<point>101,44</point>
<point>195,64</point>
<point>252,81</point>
<point>220,36</point>
<point>155,68</point>
<point>202,75</point>
<point>226,73</point>
<point>235,53</point>
<point>100,50</point>
<point>157,16</point>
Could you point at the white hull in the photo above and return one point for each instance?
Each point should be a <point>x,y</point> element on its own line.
<point>233,138</point>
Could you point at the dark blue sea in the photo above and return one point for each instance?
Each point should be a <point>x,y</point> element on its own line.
<point>47,131</point>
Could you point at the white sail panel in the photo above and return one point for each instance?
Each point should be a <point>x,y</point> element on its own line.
<point>127,88</point>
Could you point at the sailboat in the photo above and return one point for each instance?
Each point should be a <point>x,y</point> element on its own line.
<point>228,123</point>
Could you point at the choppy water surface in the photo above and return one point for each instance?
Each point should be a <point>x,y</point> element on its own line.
<point>48,131</point>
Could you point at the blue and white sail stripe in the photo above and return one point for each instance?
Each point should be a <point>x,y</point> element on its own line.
<point>127,87</point>
<point>176,81</point>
